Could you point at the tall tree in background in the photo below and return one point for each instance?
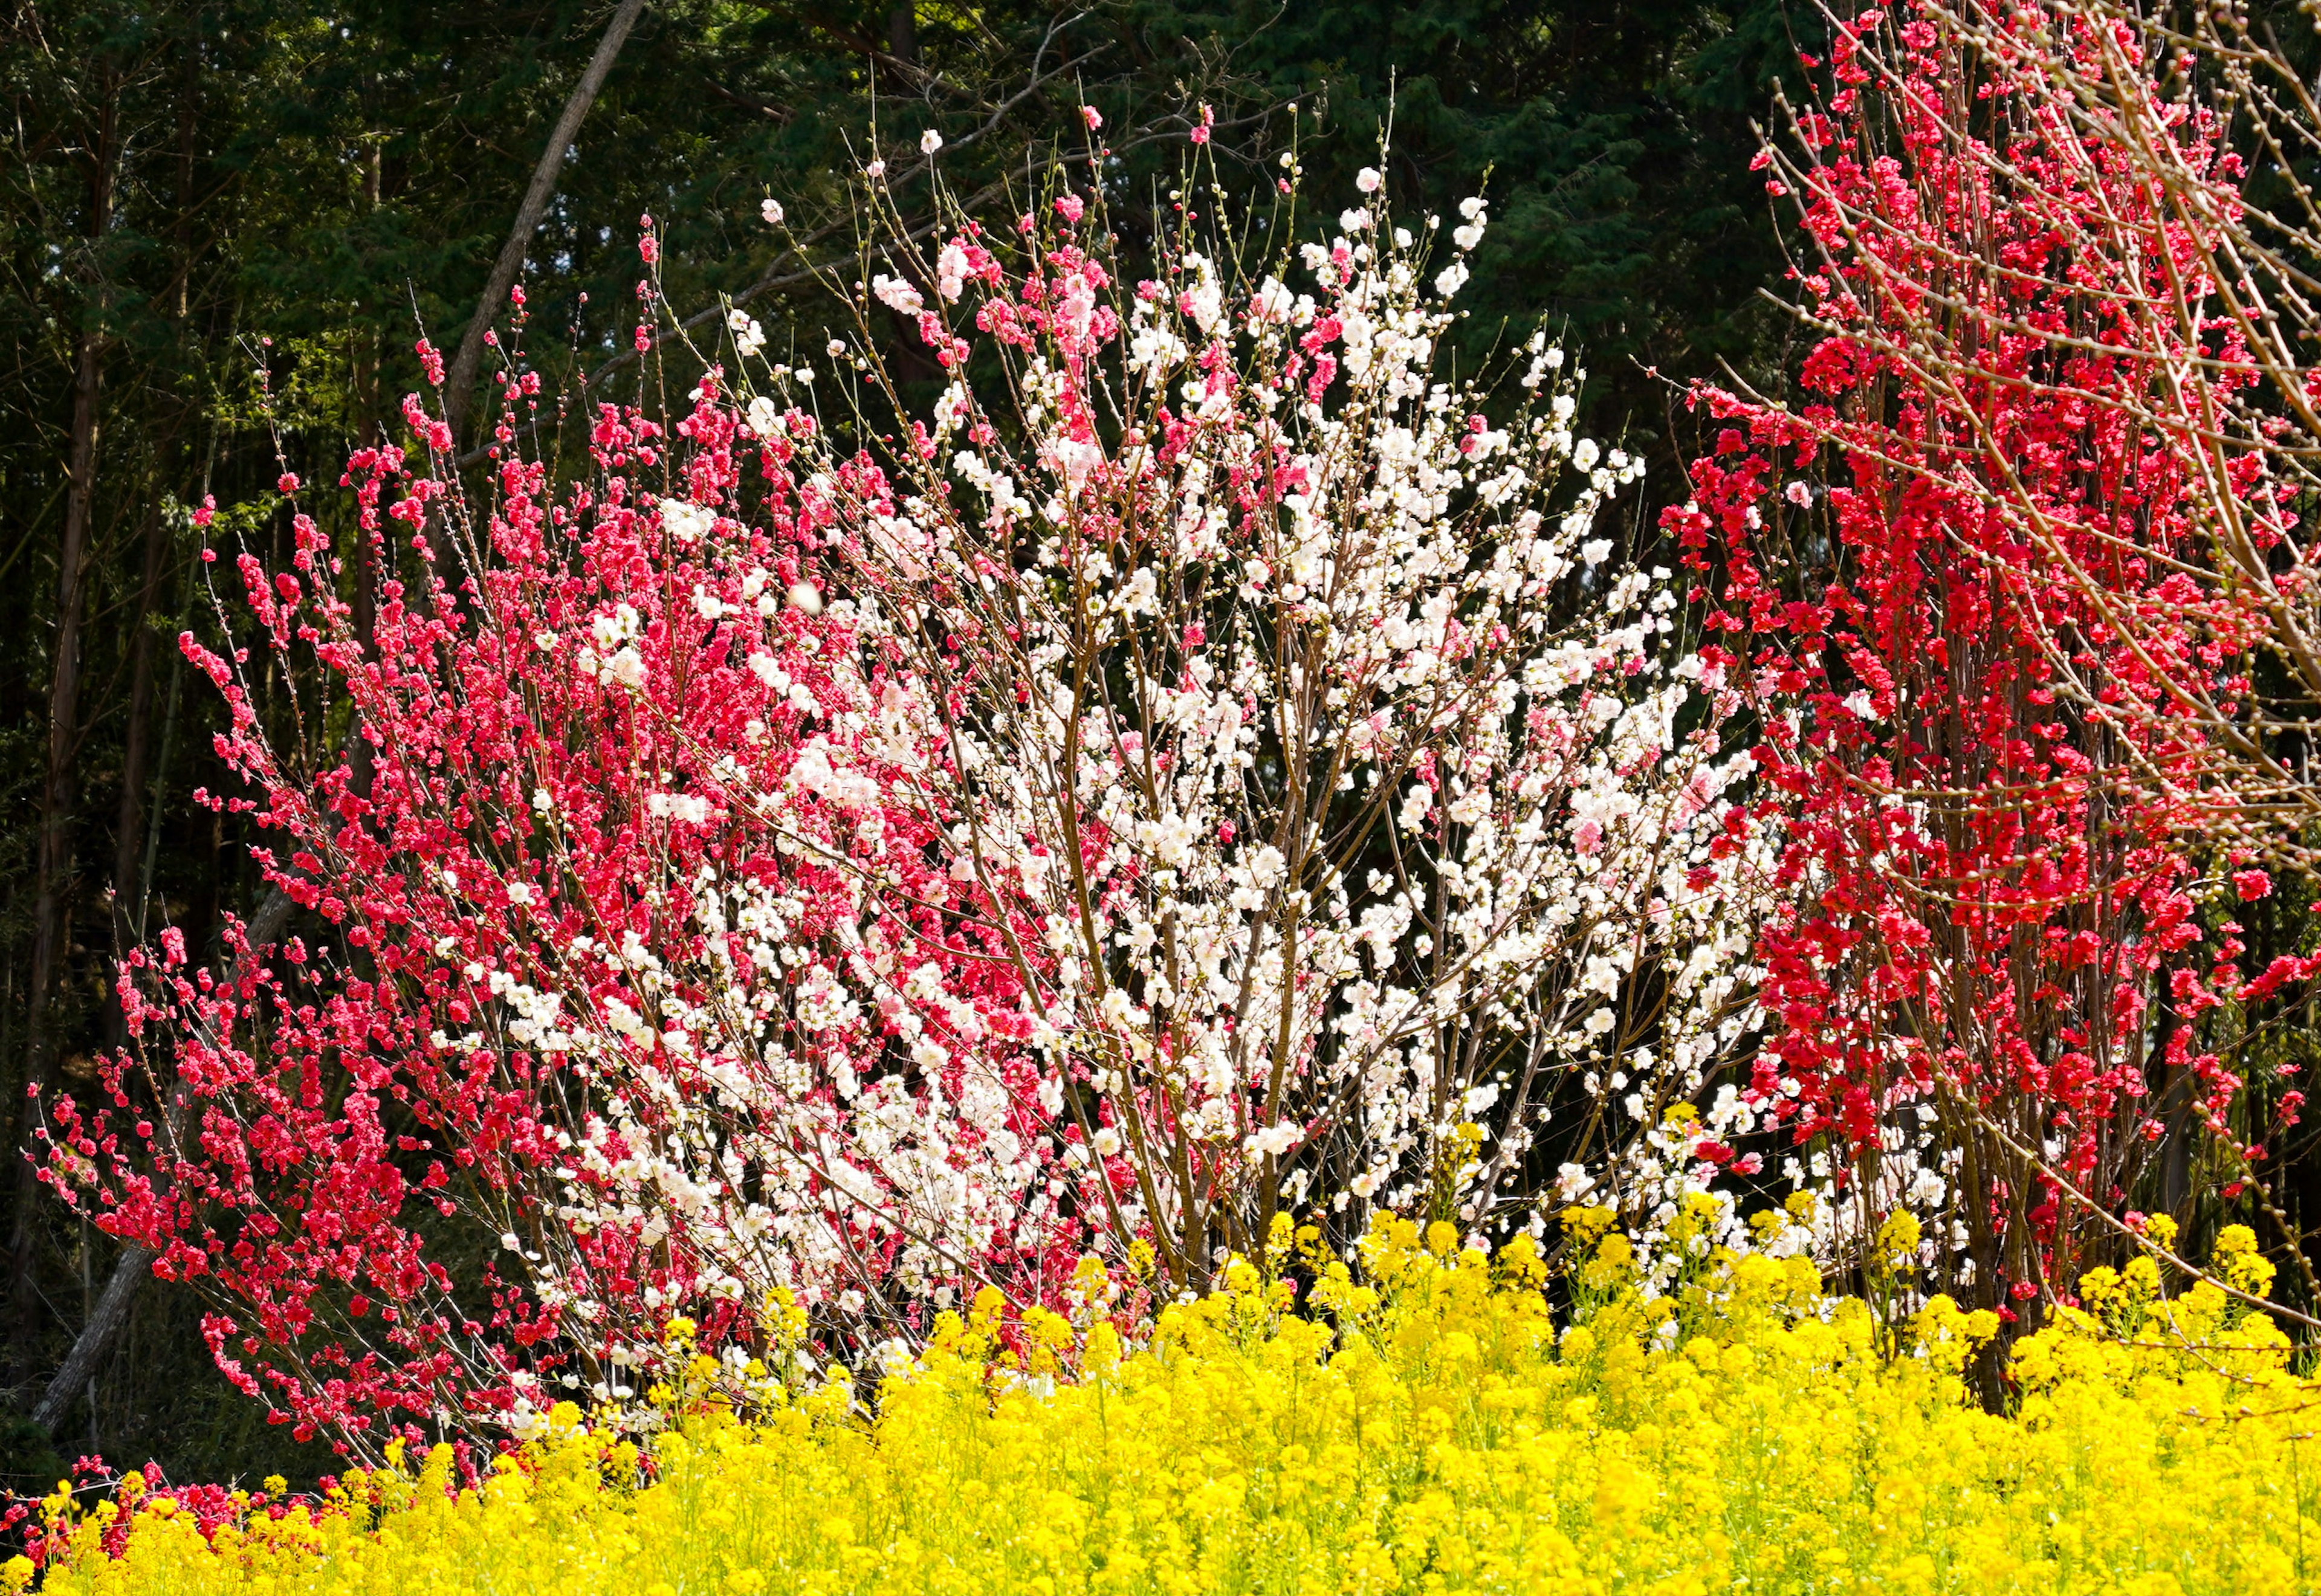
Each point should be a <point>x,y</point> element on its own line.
<point>100,153</point>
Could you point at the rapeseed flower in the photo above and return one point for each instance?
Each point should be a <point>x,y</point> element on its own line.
<point>1417,1421</point>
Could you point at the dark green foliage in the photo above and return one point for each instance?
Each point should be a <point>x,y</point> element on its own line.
<point>1612,139</point>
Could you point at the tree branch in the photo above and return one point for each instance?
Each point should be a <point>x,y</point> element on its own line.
<point>458,391</point>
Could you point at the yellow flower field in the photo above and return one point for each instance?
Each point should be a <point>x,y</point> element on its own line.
<point>1431,1430</point>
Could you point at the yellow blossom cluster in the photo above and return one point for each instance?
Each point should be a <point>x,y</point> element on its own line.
<point>1419,1423</point>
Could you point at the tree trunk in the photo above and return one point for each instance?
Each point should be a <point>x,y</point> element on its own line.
<point>459,391</point>
<point>59,793</point>
<point>134,1266</point>
<point>130,1271</point>
<point>129,832</point>
<point>132,878</point>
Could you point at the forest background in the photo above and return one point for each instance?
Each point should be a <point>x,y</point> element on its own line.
<point>227,224</point>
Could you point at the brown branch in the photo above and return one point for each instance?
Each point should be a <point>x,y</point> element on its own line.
<point>459,391</point>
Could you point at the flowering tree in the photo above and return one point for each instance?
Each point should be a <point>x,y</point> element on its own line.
<point>2209,122</point>
<point>563,997</point>
<point>1958,574</point>
<point>1363,808</point>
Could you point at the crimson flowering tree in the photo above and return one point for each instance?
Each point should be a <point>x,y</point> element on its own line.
<point>538,928</point>
<point>2211,120</point>
<point>1961,574</point>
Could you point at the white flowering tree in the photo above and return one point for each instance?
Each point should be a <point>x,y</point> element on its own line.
<point>1364,811</point>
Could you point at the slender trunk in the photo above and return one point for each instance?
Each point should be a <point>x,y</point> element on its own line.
<point>134,1266</point>
<point>189,104</point>
<point>128,900</point>
<point>154,807</point>
<point>60,792</point>
<point>369,428</point>
<point>132,879</point>
<point>459,391</point>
